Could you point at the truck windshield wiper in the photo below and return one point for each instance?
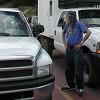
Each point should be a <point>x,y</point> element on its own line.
<point>8,34</point>
<point>21,35</point>
<point>94,25</point>
<point>5,34</point>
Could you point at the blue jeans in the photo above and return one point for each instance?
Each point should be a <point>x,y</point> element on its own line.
<point>74,68</point>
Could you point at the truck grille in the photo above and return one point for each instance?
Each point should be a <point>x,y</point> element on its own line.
<point>17,73</point>
<point>16,70</point>
<point>15,63</point>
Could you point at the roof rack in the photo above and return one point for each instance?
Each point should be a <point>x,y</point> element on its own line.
<point>63,4</point>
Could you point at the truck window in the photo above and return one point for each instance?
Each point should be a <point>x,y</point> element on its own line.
<point>61,19</point>
<point>91,18</point>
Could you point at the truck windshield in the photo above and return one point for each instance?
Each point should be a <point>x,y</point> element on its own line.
<point>91,18</point>
<point>12,24</point>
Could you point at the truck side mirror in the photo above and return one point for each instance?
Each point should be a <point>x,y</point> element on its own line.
<point>29,19</point>
<point>37,29</point>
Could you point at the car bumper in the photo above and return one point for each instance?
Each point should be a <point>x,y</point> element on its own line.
<point>41,88</point>
<point>96,60</point>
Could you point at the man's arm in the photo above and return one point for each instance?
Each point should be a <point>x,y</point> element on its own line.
<point>87,34</point>
<point>63,37</point>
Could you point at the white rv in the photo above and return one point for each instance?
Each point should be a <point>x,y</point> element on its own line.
<point>50,14</point>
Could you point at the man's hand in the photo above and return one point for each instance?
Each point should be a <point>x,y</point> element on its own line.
<point>78,46</point>
<point>65,44</point>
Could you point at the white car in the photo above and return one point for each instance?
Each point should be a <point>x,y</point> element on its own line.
<point>25,68</point>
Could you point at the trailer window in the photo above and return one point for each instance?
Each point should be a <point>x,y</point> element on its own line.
<point>64,4</point>
<point>50,8</point>
<point>91,18</point>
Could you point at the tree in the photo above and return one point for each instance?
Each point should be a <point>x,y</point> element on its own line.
<point>24,2</point>
<point>4,1</point>
<point>17,3</point>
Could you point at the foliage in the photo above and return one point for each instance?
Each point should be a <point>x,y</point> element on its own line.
<point>17,3</point>
<point>28,7</point>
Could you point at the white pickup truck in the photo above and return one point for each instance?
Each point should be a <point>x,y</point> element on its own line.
<point>51,13</point>
<point>25,68</point>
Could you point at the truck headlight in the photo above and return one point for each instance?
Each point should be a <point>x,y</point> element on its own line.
<point>43,71</point>
<point>98,48</point>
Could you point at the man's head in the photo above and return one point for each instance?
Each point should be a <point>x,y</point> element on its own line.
<point>71,19</point>
<point>71,16</point>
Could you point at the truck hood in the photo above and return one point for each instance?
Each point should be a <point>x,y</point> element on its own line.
<point>19,46</point>
<point>95,33</point>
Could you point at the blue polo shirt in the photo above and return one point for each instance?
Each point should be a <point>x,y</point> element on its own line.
<point>76,36</point>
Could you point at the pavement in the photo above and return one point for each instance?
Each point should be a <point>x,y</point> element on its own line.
<point>59,68</point>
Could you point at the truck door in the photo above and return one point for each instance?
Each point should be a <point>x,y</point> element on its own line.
<point>58,32</point>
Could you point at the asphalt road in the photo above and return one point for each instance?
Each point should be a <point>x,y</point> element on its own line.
<point>59,68</point>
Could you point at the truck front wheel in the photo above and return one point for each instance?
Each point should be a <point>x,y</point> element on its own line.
<point>90,74</point>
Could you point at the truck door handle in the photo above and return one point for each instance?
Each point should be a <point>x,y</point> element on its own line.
<point>55,32</point>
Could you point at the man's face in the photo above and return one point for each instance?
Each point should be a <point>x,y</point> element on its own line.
<point>67,19</point>
<point>64,17</point>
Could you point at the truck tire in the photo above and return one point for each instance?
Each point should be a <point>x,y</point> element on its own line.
<point>90,74</point>
<point>47,44</point>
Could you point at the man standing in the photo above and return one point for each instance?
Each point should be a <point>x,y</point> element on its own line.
<point>73,40</point>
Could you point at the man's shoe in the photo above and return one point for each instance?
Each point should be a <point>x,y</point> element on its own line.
<point>67,88</point>
<point>80,92</point>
